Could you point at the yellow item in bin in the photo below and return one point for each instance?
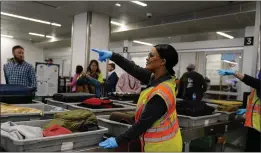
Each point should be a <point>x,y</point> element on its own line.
<point>227,108</point>
<point>225,102</point>
<point>12,109</point>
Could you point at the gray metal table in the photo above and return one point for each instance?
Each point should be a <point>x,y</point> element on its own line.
<point>188,134</point>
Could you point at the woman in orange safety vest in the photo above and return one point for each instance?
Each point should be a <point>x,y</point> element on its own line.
<point>156,122</point>
<point>252,111</point>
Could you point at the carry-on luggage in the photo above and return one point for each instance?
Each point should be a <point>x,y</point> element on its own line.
<point>16,94</point>
<point>124,96</point>
<point>72,97</point>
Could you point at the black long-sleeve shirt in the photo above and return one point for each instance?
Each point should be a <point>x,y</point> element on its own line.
<point>155,107</point>
<point>253,82</point>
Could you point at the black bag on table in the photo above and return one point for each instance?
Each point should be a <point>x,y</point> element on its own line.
<point>16,94</point>
<point>72,97</point>
<point>124,96</point>
<point>193,108</point>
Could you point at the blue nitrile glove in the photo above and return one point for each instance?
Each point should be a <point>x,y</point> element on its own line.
<point>103,54</point>
<point>226,72</point>
<point>241,111</point>
<point>109,143</point>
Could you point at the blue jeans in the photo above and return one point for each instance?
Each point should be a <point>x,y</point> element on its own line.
<point>97,85</point>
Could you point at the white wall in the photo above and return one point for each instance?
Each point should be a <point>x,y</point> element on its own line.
<point>61,56</point>
<point>32,53</point>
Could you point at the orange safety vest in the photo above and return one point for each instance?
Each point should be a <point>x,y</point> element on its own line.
<point>164,135</point>
<point>253,113</point>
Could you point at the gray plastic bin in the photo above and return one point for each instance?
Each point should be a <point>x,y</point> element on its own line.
<point>188,121</point>
<point>59,103</point>
<point>52,144</point>
<point>107,111</point>
<point>125,102</point>
<point>226,116</point>
<point>115,128</point>
<point>48,112</point>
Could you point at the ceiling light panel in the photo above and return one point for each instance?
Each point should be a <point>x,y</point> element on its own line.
<point>225,35</point>
<point>117,23</point>
<point>30,19</point>
<point>139,3</point>
<point>36,34</point>
<point>8,36</point>
<point>143,43</point>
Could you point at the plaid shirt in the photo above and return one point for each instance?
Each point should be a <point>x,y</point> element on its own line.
<point>20,74</point>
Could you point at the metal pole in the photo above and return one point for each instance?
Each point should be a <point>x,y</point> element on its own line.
<point>256,37</point>
<point>88,39</point>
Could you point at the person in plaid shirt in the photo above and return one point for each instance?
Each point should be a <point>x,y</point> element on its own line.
<point>19,72</point>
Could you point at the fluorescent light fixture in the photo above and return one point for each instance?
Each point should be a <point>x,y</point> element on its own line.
<point>36,34</point>
<point>47,36</point>
<point>143,43</point>
<point>226,61</point>
<point>56,24</point>
<point>139,3</point>
<point>40,21</point>
<point>8,36</point>
<point>225,35</point>
<point>30,19</point>
<point>117,23</point>
<point>118,4</point>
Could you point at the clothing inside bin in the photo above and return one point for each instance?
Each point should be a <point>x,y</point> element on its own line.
<point>75,120</point>
<point>125,117</point>
<point>55,130</point>
<point>12,109</point>
<point>20,132</point>
<point>97,103</point>
<point>193,108</point>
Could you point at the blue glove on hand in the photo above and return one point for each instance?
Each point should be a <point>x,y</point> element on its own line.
<point>103,54</point>
<point>241,111</point>
<point>226,72</point>
<point>109,143</point>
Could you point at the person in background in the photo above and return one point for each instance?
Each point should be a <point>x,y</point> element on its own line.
<point>127,83</point>
<point>192,84</point>
<point>95,77</point>
<point>77,75</point>
<point>110,83</point>
<point>156,122</point>
<point>49,61</point>
<point>252,111</point>
<point>18,71</point>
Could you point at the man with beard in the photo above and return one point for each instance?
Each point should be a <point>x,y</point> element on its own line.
<point>19,72</point>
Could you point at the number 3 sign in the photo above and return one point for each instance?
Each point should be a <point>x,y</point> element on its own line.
<point>249,41</point>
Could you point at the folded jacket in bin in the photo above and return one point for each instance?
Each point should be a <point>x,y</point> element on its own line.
<point>21,132</point>
<point>55,130</point>
<point>12,109</point>
<point>123,117</point>
<point>75,120</point>
<point>97,103</point>
<point>72,97</point>
<point>193,108</point>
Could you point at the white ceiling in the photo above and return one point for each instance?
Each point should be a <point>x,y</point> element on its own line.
<point>165,21</point>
